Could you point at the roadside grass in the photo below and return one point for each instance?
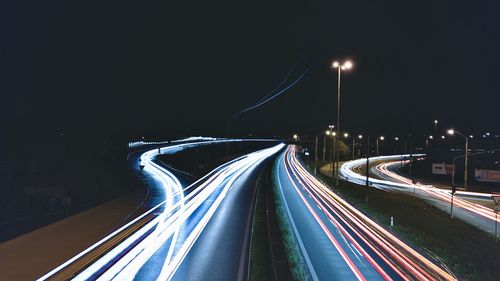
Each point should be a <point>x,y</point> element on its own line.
<point>293,252</point>
<point>468,252</point>
<point>260,259</point>
<point>268,256</point>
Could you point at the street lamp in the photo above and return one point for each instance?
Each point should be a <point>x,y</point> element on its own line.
<point>435,125</point>
<point>327,132</point>
<point>340,67</point>
<point>396,140</point>
<point>360,137</point>
<point>332,151</point>
<point>452,132</point>
<point>295,137</point>
<point>379,138</point>
<point>346,135</point>
<point>427,140</point>
<point>453,188</point>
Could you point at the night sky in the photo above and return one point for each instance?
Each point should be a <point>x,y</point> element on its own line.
<point>181,67</point>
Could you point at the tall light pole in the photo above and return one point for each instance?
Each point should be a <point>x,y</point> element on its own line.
<point>396,139</point>
<point>327,132</point>
<point>345,66</point>
<point>360,137</point>
<point>334,141</point>
<point>379,138</point>
<point>435,125</point>
<point>452,132</point>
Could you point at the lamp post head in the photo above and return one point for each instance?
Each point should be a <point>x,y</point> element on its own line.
<point>327,132</point>
<point>451,132</point>
<point>295,136</point>
<point>396,138</point>
<point>360,136</point>
<point>345,66</point>
<point>435,121</point>
<point>382,138</point>
<point>431,137</point>
<point>346,135</point>
<point>334,134</point>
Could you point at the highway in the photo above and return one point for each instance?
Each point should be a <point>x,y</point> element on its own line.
<point>384,177</point>
<point>161,243</point>
<point>339,242</point>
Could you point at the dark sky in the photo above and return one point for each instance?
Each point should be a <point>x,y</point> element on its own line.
<point>171,67</point>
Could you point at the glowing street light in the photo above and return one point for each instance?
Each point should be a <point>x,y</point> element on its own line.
<point>435,125</point>
<point>379,138</point>
<point>340,67</point>
<point>360,137</point>
<point>348,64</point>
<point>453,132</point>
<point>326,133</point>
<point>295,137</point>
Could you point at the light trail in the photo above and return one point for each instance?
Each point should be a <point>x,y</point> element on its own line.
<point>391,258</point>
<point>403,184</point>
<point>124,260</point>
<point>442,194</point>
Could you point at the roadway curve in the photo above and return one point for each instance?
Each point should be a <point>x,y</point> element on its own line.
<point>158,244</point>
<point>337,241</point>
<point>384,176</point>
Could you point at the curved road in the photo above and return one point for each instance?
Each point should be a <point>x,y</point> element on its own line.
<point>163,242</point>
<point>389,180</point>
<point>337,241</point>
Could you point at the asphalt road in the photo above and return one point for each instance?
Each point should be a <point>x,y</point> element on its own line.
<point>337,241</point>
<point>221,252</point>
<point>163,244</point>
<point>383,176</point>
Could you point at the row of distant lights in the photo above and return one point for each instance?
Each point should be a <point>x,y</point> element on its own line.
<point>135,144</point>
<point>451,132</point>
<point>431,137</point>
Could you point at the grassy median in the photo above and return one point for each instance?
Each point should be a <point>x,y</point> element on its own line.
<point>268,259</point>
<point>469,252</point>
<point>293,252</point>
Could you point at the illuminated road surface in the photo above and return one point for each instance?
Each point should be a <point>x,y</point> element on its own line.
<point>339,242</point>
<point>473,213</point>
<point>157,245</point>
